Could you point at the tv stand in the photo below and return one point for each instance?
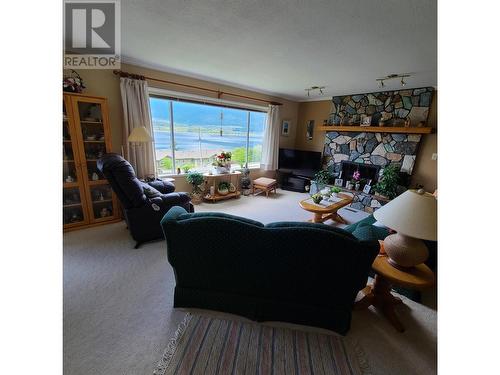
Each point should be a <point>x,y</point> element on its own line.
<point>288,180</point>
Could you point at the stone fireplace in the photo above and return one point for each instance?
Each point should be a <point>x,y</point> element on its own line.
<point>369,153</point>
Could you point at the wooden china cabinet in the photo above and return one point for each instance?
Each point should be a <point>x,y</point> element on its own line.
<point>87,197</point>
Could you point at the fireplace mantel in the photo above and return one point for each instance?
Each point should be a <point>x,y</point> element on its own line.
<point>375,129</point>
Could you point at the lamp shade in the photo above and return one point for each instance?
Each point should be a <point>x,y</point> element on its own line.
<point>412,213</point>
<point>140,135</point>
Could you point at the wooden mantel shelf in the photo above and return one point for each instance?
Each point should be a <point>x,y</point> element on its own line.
<point>375,129</point>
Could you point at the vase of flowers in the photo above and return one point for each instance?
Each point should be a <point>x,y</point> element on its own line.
<point>356,180</point>
<point>222,163</point>
<point>73,83</point>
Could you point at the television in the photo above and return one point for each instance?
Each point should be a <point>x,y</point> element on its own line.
<point>299,163</point>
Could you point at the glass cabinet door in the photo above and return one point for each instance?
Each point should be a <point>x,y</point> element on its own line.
<point>74,210</point>
<point>94,137</point>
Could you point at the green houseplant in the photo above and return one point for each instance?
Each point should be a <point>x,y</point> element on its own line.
<point>335,191</point>
<point>321,179</point>
<point>317,198</point>
<point>195,179</point>
<point>223,188</point>
<point>388,184</point>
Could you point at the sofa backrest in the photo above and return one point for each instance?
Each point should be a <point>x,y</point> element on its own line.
<point>121,176</point>
<point>324,266</point>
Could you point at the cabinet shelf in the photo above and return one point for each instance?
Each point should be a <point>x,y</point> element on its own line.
<point>218,197</point>
<point>102,201</point>
<point>71,205</point>
<point>98,182</point>
<point>91,122</point>
<point>67,185</point>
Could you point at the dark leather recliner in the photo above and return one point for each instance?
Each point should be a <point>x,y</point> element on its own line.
<point>144,204</point>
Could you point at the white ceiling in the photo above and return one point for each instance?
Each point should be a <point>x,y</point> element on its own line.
<point>280,47</point>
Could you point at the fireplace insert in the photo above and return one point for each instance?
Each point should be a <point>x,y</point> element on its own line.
<point>369,172</point>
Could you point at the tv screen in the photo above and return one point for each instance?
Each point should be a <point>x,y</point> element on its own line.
<point>303,163</point>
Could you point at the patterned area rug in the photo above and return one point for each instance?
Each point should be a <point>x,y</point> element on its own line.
<point>208,345</point>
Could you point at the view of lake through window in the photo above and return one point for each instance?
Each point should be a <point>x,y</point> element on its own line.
<point>201,131</point>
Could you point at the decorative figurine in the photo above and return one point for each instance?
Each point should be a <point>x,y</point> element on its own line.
<point>70,179</point>
<point>95,176</point>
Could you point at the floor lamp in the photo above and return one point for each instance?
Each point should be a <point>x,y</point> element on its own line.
<point>139,136</point>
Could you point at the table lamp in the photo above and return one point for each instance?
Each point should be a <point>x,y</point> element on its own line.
<point>139,135</point>
<point>413,215</point>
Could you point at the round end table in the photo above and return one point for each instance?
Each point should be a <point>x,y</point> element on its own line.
<point>379,295</point>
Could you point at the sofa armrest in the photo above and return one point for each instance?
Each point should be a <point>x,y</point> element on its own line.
<point>163,187</point>
<point>173,214</point>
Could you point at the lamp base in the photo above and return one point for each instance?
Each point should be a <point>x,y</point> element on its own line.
<point>405,252</point>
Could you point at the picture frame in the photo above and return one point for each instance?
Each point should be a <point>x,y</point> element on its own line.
<point>310,130</point>
<point>365,120</point>
<point>339,182</point>
<point>285,127</point>
<point>367,188</point>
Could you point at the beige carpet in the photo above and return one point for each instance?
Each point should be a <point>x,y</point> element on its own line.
<point>118,314</point>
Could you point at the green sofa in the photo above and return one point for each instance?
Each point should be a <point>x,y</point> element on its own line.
<point>295,272</point>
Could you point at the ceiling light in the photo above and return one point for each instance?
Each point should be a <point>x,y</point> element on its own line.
<point>313,88</point>
<point>393,76</point>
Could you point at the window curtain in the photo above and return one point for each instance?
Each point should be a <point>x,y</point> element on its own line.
<point>136,113</point>
<point>271,141</point>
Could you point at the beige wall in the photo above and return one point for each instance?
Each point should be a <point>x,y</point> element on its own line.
<point>317,111</point>
<point>425,171</point>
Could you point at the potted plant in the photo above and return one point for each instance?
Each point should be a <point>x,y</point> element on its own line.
<point>222,163</point>
<point>356,177</point>
<point>335,191</point>
<point>388,184</point>
<point>246,182</point>
<point>195,179</point>
<point>223,188</point>
<point>321,179</point>
<point>317,198</point>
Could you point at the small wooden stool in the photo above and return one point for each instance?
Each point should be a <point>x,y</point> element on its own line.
<point>264,184</point>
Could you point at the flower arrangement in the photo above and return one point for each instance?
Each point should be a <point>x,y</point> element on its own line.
<point>356,176</point>
<point>73,83</point>
<point>223,159</point>
<point>222,163</point>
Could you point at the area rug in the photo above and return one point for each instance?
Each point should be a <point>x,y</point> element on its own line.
<point>208,345</point>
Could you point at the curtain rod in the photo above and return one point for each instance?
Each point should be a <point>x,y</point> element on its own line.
<point>219,93</point>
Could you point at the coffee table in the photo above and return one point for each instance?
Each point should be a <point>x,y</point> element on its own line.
<point>379,295</point>
<point>323,212</point>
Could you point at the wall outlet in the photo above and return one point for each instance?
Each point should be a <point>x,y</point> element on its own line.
<point>434,156</point>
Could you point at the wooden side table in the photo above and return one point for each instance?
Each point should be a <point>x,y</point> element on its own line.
<point>379,295</point>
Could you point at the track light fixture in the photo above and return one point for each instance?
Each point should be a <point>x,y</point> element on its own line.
<point>393,76</point>
<point>314,88</point>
